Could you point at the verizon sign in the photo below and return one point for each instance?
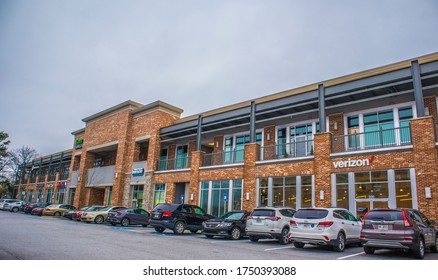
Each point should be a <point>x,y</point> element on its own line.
<point>353,162</point>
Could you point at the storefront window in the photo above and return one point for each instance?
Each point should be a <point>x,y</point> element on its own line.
<point>137,196</point>
<point>204,195</point>
<point>263,192</point>
<point>110,193</point>
<point>29,197</point>
<point>49,195</point>
<point>237,195</point>
<point>377,187</point>
<point>159,194</point>
<point>403,189</point>
<point>60,195</point>
<point>226,195</point>
<point>342,200</point>
<point>306,191</point>
<point>71,197</point>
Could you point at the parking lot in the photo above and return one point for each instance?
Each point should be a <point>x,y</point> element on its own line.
<point>48,238</point>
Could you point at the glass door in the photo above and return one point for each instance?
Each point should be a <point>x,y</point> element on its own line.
<point>181,156</point>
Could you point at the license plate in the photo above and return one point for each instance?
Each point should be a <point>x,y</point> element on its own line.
<point>306,225</point>
<point>382,227</point>
<point>258,222</point>
<point>156,215</point>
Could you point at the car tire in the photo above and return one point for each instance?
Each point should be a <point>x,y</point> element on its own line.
<point>253,239</point>
<point>144,225</point>
<point>179,227</point>
<point>434,249</point>
<point>99,219</point>
<point>340,243</point>
<point>235,233</point>
<point>283,238</point>
<point>419,250</point>
<point>369,250</point>
<point>15,209</point>
<point>193,230</point>
<point>125,222</point>
<point>209,236</point>
<point>159,229</point>
<point>57,214</point>
<point>298,245</point>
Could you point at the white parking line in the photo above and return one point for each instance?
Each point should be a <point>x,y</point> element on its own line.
<point>349,256</point>
<point>280,248</point>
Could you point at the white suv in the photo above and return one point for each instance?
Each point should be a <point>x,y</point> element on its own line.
<point>325,226</point>
<point>12,205</point>
<point>269,222</point>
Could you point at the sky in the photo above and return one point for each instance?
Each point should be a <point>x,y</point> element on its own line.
<point>62,61</point>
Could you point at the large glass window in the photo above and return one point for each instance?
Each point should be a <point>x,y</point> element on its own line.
<point>235,146</point>
<point>181,156</point>
<point>137,196</point>
<point>342,200</point>
<point>30,195</point>
<point>284,191</point>
<point>403,188</point>
<point>110,193</point>
<point>60,193</point>
<point>159,194</point>
<point>204,195</point>
<point>237,195</point>
<point>263,192</point>
<point>371,184</point>
<point>219,197</point>
<point>49,195</point>
<point>306,191</point>
<point>296,140</point>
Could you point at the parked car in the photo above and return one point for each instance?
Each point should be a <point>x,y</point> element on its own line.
<point>12,205</point>
<point>269,222</point>
<point>178,217</point>
<point>57,210</point>
<point>230,225</point>
<point>29,207</point>
<point>130,216</point>
<point>78,213</point>
<point>333,227</point>
<point>38,210</point>
<point>405,229</point>
<point>69,214</point>
<point>98,215</point>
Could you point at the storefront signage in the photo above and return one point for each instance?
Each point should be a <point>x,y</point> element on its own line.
<point>137,172</point>
<point>61,185</point>
<point>40,185</point>
<point>353,162</point>
<point>79,143</point>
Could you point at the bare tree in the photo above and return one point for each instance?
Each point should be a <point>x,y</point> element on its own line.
<point>4,154</point>
<point>20,158</point>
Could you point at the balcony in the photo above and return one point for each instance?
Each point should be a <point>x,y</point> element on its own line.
<point>52,177</point>
<point>173,164</point>
<point>32,179</point>
<point>63,176</point>
<point>225,157</point>
<point>385,138</point>
<point>101,176</point>
<point>294,149</point>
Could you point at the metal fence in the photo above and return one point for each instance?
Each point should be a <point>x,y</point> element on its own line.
<point>174,163</point>
<point>287,150</point>
<point>225,157</point>
<point>372,140</point>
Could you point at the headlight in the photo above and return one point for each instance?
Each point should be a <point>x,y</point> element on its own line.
<point>225,224</point>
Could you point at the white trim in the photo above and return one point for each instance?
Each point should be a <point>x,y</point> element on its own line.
<point>172,171</point>
<point>244,133</point>
<point>334,190</point>
<point>391,189</point>
<point>221,166</point>
<point>383,108</point>
<point>413,188</point>
<point>371,151</point>
<point>284,159</point>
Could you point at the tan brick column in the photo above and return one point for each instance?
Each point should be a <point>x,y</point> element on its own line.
<point>82,193</point>
<point>170,192</point>
<point>194,176</point>
<point>425,162</point>
<point>322,169</point>
<point>249,176</point>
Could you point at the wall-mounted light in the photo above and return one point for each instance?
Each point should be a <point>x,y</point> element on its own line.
<point>335,125</point>
<point>426,111</point>
<point>268,136</point>
<point>117,175</point>
<point>321,195</point>
<point>79,179</point>
<point>217,144</point>
<point>247,196</point>
<point>428,192</point>
<point>192,197</point>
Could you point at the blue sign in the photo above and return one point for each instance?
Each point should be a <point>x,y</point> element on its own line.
<point>225,196</point>
<point>182,198</point>
<point>137,172</point>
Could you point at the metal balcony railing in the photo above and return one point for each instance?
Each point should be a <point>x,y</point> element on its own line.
<point>225,157</point>
<point>174,163</point>
<point>384,138</point>
<point>287,150</point>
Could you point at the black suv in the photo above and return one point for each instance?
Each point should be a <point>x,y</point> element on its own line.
<point>178,217</point>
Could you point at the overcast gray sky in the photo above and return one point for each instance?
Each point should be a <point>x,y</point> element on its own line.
<point>61,61</point>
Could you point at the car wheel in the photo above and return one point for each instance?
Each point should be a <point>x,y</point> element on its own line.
<point>340,243</point>
<point>434,249</point>
<point>99,219</point>
<point>283,238</point>
<point>159,229</point>
<point>179,227</point>
<point>298,245</point>
<point>369,250</point>
<point>253,239</point>
<point>125,222</point>
<point>209,236</point>
<point>235,233</point>
<point>419,250</point>
<point>57,214</point>
<point>15,209</point>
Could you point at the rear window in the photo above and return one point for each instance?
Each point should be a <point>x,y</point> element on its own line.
<point>166,207</point>
<point>311,214</point>
<point>384,216</point>
<point>263,213</point>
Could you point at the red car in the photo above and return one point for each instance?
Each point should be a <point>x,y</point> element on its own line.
<point>77,216</point>
<point>37,211</point>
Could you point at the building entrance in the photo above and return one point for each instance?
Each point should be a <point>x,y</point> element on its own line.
<point>363,205</point>
<point>181,193</point>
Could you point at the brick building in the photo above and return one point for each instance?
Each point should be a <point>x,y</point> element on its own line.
<point>361,141</point>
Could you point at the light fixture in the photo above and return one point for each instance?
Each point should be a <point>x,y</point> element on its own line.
<point>192,197</point>
<point>321,195</point>
<point>268,136</point>
<point>428,192</point>
<point>426,111</point>
<point>335,125</point>
<point>217,144</point>
<point>247,196</point>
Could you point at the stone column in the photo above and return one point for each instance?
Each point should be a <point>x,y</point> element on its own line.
<point>425,162</point>
<point>322,169</point>
<point>249,176</point>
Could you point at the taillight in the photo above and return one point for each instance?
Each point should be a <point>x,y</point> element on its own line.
<point>293,223</point>
<point>364,217</point>
<point>273,218</point>
<point>166,214</point>
<point>325,224</point>
<point>407,223</point>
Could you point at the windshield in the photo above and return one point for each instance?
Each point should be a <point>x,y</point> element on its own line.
<point>85,208</point>
<point>95,208</point>
<point>105,208</point>
<point>232,216</point>
<point>311,214</point>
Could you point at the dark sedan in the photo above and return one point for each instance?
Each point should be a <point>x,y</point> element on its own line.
<point>230,225</point>
<point>30,206</point>
<point>130,216</point>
